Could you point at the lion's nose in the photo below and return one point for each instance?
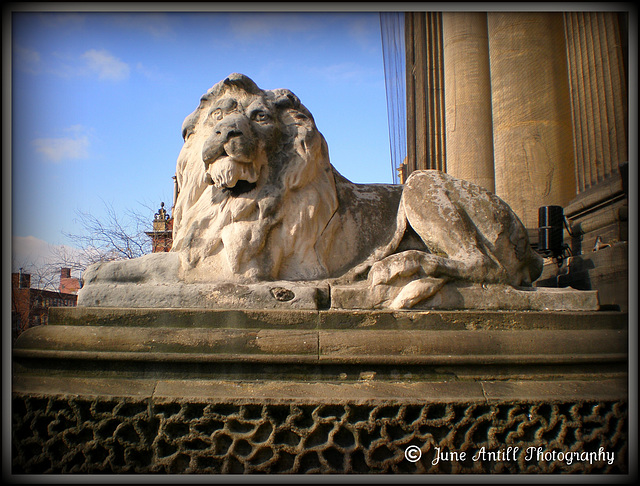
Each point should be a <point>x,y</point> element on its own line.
<point>231,126</point>
<point>227,133</point>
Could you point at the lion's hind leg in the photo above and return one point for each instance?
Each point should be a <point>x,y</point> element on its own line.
<point>450,217</point>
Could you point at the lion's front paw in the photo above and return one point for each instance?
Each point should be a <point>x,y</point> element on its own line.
<point>395,267</point>
<point>406,265</point>
<point>417,291</point>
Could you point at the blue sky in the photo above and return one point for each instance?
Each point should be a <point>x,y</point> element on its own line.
<point>98,100</point>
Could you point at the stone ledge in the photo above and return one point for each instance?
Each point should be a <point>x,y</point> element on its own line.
<point>371,346</point>
<point>294,319</point>
<point>323,345</point>
<point>360,392</point>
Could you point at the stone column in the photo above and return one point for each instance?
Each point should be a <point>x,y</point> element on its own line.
<point>599,95</point>
<point>533,146</point>
<point>469,132</point>
<point>415,42</point>
<point>425,96</point>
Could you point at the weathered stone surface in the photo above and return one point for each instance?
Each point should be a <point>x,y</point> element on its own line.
<point>161,339</point>
<point>322,295</point>
<point>447,320</point>
<point>463,295</point>
<point>278,347</point>
<point>259,203</point>
<point>247,428</point>
<point>166,344</point>
<point>298,392</point>
<point>185,318</point>
<point>223,295</point>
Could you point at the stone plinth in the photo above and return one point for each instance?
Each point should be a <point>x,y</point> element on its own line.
<point>462,295</point>
<point>272,391</point>
<point>267,295</point>
<point>323,295</point>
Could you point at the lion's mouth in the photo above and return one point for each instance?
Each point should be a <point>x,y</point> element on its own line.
<point>233,176</point>
<point>241,187</point>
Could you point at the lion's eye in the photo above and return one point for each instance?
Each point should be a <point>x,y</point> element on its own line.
<point>217,114</point>
<point>187,132</point>
<point>260,115</point>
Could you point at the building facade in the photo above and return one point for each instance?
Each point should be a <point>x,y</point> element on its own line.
<point>30,306</point>
<point>533,106</point>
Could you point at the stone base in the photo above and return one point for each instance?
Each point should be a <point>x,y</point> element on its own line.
<point>271,295</point>
<point>605,271</point>
<point>322,295</point>
<point>268,391</point>
<point>76,426</point>
<point>457,295</point>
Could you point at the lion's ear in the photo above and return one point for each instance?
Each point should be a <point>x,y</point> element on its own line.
<point>286,99</point>
<point>243,82</point>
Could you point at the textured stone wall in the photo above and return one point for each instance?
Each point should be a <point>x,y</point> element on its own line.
<point>72,434</point>
<point>202,391</point>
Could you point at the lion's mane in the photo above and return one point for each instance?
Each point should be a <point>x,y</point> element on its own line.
<point>274,228</point>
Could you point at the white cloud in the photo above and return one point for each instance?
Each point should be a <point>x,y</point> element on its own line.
<point>151,72</point>
<point>346,72</point>
<point>76,129</point>
<point>26,59</point>
<point>34,255</point>
<point>106,65</point>
<point>73,146</point>
<point>28,251</point>
<point>65,148</point>
<point>365,33</point>
<point>93,62</point>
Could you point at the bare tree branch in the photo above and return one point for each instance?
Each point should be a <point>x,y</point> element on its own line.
<point>106,238</point>
<point>111,237</point>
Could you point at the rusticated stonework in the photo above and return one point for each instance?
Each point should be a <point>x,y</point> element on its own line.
<point>59,434</point>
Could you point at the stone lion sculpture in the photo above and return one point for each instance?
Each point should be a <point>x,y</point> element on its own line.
<point>259,201</point>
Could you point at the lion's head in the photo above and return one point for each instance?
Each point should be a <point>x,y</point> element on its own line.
<point>256,188</point>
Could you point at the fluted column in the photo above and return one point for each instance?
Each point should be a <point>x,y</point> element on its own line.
<point>532,131</point>
<point>598,95</point>
<point>425,91</point>
<point>469,133</point>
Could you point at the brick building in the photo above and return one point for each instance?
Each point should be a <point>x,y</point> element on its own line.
<point>30,306</point>
<point>68,284</point>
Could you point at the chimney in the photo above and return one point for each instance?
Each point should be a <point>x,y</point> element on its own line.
<point>25,280</point>
<point>68,284</point>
